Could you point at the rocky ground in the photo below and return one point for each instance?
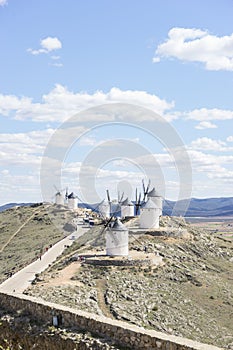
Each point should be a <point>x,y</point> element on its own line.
<point>189,293</point>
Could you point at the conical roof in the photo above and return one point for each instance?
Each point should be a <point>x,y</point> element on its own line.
<point>71,196</point>
<point>118,226</point>
<point>149,205</point>
<point>126,202</point>
<point>153,193</point>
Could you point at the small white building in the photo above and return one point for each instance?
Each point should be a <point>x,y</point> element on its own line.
<point>72,201</point>
<point>157,199</point>
<point>149,215</point>
<point>59,199</point>
<point>127,208</point>
<point>117,238</point>
<point>105,209</point>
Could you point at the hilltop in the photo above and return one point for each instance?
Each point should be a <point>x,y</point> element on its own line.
<point>176,283</point>
<point>177,280</point>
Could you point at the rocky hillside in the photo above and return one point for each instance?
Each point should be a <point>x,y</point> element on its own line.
<point>25,232</point>
<point>185,290</point>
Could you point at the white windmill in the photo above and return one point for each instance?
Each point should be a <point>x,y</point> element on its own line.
<point>117,238</point>
<point>114,206</point>
<point>127,208</point>
<point>149,215</point>
<point>59,198</point>
<point>104,209</point>
<point>157,199</point>
<point>72,201</point>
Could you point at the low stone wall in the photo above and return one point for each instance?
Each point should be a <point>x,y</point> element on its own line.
<point>125,262</point>
<point>164,232</point>
<point>123,333</point>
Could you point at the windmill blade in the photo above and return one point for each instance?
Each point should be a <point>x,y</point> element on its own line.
<point>98,205</point>
<point>136,195</point>
<point>137,209</point>
<point>139,199</point>
<point>96,209</point>
<point>66,196</point>
<point>56,188</point>
<point>106,224</point>
<point>147,189</point>
<point>108,221</point>
<point>138,203</point>
<point>122,197</point>
<point>144,188</point>
<point>108,196</point>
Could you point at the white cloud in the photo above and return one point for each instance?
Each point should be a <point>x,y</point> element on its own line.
<point>48,44</point>
<point>3,2</point>
<point>156,59</point>
<point>9,103</point>
<point>190,44</point>
<point>60,104</point>
<point>20,188</point>
<point>87,141</point>
<point>51,44</point>
<point>208,163</point>
<point>204,114</point>
<point>25,149</point>
<point>205,163</point>
<point>207,144</point>
<point>230,139</point>
<point>55,57</point>
<point>225,175</point>
<point>205,125</point>
<point>57,64</point>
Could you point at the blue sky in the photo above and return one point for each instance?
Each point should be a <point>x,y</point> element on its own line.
<point>59,58</point>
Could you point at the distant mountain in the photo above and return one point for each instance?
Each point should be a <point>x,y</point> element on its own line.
<point>222,206</point>
<point>206,207</point>
<point>11,205</point>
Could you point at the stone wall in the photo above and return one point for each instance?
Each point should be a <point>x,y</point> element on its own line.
<point>123,333</point>
<point>125,262</point>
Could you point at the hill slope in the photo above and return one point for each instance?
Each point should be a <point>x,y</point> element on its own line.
<point>25,231</point>
<point>189,294</point>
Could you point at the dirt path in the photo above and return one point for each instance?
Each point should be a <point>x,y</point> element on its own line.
<point>101,287</point>
<point>19,229</point>
<point>63,277</point>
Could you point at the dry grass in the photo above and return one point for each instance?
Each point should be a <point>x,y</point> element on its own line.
<point>44,228</point>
